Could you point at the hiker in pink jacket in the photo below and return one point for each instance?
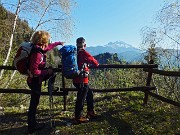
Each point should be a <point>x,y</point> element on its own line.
<point>38,73</point>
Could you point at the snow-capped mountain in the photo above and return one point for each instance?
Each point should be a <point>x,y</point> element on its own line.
<point>118,44</point>
<point>124,50</point>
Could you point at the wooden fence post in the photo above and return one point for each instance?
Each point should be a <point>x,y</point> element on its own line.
<point>148,82</point>
<point>64,92</point>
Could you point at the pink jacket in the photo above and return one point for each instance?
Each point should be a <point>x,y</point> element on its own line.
<point>37,62</point>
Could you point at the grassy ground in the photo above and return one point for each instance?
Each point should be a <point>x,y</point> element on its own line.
<point>118,114</point>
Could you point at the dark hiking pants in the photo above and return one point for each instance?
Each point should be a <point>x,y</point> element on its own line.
<point>35,87</point>
<point>84,93</point>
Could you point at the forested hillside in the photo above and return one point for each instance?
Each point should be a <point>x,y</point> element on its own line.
<point>108,58</point>
<point>22,32</point>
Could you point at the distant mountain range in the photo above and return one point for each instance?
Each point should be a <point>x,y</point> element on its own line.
<point>125,51</point>
<point>132,54</point>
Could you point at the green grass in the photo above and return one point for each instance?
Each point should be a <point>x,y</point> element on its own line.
<point>118,114</point>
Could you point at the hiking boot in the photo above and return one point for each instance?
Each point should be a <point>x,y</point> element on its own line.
<point>91,115</point>
<point>80,120</point>
<point>38,126</point>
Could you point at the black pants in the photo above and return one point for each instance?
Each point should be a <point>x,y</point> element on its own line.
<point>84,93</point>
<point>35,87</point>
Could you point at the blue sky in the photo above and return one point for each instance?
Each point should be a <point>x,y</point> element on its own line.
<point>104,21</point>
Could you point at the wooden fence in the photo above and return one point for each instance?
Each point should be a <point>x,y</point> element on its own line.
<point>149,68</point>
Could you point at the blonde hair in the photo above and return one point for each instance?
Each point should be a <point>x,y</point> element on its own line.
<point>40,37</point>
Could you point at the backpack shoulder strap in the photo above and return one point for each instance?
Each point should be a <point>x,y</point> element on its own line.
<point>35,50</point>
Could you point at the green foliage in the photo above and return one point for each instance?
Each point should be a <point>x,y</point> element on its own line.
<point>3,12</point>
<point>15,100</point>
<point>152,55</point>
<point>22,29</point>
<point>108,58</point>
<point>168,86</point>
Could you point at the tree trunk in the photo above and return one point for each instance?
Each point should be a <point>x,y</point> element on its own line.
<point>12,36</point>
<point>10,45</point>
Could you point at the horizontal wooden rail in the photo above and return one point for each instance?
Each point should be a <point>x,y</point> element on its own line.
<point>161,72</point>
<point>27,91</point>
<point>64,91</point>
<point>122,66</point>
<point>99,67</point>
<point>163,99</point>
<point>143,88</point>
<point>13,68</point>
<point>126,66</point>
<point>8,67</point>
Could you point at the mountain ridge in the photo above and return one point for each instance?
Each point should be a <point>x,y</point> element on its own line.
<point>121,48</point>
